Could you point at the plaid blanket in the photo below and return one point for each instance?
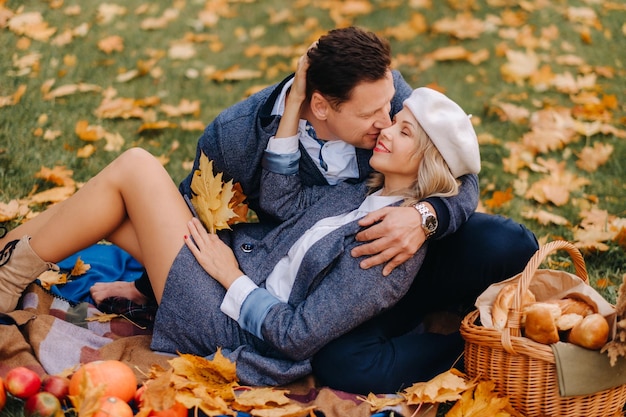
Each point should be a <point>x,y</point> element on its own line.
<point>51,335</point>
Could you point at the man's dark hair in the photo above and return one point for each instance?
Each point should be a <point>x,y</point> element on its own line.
<point>344,58</point>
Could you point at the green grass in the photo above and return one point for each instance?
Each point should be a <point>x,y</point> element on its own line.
<point>243,24</point>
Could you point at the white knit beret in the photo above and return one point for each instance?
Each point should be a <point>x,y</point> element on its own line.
<point>449,127</point>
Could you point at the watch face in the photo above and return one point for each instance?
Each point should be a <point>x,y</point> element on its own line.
<point>430,222</point>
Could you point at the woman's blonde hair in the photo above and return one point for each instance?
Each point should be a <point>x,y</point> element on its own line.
<point>434,178</point>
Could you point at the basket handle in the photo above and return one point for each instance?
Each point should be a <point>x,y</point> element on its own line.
<point>515,315</point>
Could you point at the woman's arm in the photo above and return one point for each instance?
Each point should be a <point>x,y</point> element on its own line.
<point>344,297</point>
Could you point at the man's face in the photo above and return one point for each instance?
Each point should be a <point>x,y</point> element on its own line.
<point>359,120</point>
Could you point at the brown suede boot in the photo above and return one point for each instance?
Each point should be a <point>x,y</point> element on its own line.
<point>19,266</point>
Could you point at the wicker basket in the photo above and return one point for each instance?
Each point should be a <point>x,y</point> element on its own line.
<point>524,370</point>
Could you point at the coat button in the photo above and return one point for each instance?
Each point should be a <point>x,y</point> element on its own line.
<point>247,247</point>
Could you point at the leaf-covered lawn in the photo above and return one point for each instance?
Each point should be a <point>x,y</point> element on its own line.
<point>80,81</point>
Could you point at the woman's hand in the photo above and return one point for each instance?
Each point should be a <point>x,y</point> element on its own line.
<point>217,259</point>
<point>288,125</point>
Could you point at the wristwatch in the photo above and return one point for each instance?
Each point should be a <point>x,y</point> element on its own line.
<point>429,221</point>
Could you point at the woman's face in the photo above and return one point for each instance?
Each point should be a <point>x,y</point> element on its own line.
<point>395,154</point>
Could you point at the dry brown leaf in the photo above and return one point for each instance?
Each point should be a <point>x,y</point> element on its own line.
<point>87,401</point>
<point>499,198</point>
<point>113,43</point>
<point>192,125</point>
<point>235,73</point>
<point>182,51</point>
<point>102,317</point>
<point>58,175</point>
<point>14,98</point>
<point>70,89</point>
<point>50,278</point>
<point>290,410</point>
<point>88,132</point>
<point>53,195</point>
<point>9,211</point>
<point>80,268</point>
<point>159,125</point>
<point>109,11</point>
<point>185,107</point>
<point>511,112</point>
<point>463,26</point>
<point>519,66</point>
<point>590,158</point>
<point>86,151</point>
<point>449,53</point>
<point>482,401</point>
<point>544,217</point>
<point>444,387</point>
<point>378,402</point>
<point>265,397</point>
<point>114,142</point>
<point>31,24</point>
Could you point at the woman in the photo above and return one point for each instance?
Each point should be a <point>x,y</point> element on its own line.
<point>286,292</point>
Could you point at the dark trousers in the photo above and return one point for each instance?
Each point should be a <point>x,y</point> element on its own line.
<point>390,352</point>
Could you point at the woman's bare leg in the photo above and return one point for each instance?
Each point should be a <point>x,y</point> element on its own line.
<point>133,190</point>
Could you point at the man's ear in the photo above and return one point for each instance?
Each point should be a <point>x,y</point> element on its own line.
<point>319,106</point>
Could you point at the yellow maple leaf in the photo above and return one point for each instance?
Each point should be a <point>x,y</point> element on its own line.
<point>377,403</point>
<point>214,200</point>
<point>444,387</point>
<point>260,398</point>
<point>50,278</point>
<point>80,267</point>
<point>482,401</point>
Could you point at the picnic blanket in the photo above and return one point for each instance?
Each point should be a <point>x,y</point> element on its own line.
<point>55,330</point>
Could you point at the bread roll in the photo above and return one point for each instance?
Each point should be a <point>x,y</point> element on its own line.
<point>592,332</point>
<point>504,302</point>
<point>540,324</point>
<point>574,306</point>
<point>568,321</point>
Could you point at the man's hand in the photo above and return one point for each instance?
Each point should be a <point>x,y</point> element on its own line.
<point>394,234</point>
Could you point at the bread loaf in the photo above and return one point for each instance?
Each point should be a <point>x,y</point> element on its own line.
<point>504,302</point>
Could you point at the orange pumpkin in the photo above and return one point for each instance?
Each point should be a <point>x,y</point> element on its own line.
<point>113,407</point>
<point>118,378</point>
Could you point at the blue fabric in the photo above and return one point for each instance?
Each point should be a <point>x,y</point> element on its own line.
<point>108,263</point>
<point>286,164</point>
<point>254,310</point>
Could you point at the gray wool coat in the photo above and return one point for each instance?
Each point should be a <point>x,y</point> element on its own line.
<point>331,293</point>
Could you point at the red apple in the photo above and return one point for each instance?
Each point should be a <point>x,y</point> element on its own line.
<point>57,385</point>
<point>3,395</point>
<point>43,404</point>
<point>22,382</point>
